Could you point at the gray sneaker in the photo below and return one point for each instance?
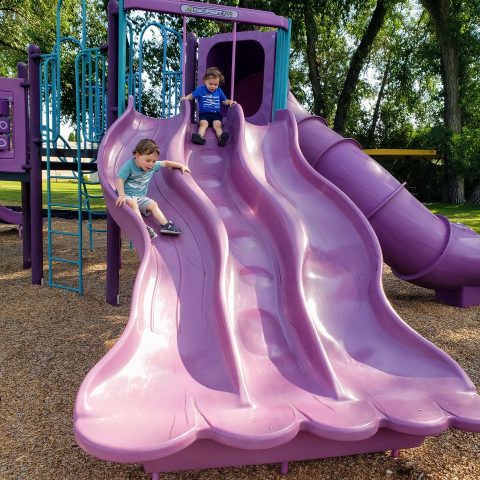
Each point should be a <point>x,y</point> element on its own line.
<point>170,229</point>
<point>151,232</point>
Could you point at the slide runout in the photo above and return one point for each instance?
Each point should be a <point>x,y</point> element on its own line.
<point>358,320</point>
<point>255,302</point>
<point>421,247</point>
<point>154,295</point>
<point>153,366</point>
<point>288,244</point>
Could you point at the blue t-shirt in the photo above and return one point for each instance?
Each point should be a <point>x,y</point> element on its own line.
<point>208,102</point>
<point>136,179</point>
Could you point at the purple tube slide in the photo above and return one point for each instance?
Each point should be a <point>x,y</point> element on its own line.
<point>262,333</point>
<point>421,247</point>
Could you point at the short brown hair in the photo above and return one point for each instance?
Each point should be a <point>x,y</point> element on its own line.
<point>214,72</point>
<point>146,147</point>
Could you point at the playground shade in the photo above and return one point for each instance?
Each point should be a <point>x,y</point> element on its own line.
<point>262,333</point>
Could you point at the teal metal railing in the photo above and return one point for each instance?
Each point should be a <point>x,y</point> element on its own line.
<point>90,112</point>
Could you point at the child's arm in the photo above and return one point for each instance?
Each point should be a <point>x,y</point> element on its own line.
<point>121,191</point>
<point>229,102</point>
<point>187,97</point>
<point>170,164</point>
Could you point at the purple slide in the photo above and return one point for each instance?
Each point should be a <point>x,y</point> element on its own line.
<point>421,247</point>
<point>262,333</point>
<point>10,216</point>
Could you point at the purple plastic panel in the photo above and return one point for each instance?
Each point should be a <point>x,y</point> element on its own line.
<point>12,125</point>
<point>210,11</point>
<point>10,216</point>
<point>208,454</point>
<point>254,69</point>
<point>5,124</point>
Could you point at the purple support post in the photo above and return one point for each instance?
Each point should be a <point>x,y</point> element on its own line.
<point>184,38</point>
<point>113,230</point>
<point>234,53</point>
<point>22,72</point>
<point>394,453</point>
<point>190,67</point>
<point>155,476</point>
<point>36,223</point>
<point>283,468</point>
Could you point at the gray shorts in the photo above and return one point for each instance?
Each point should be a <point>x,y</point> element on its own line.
<point>142,203</point>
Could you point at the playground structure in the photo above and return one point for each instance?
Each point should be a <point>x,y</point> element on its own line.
<point>250,341</point>
<point>262,334</point>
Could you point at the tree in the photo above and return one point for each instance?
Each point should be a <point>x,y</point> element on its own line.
<point>357,62</point>
<point>444,15</point>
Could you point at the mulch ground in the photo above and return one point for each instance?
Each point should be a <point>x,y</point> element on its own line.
<point>51,338</point>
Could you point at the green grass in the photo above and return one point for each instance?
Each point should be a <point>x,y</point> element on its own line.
<point>466,213</point>
<point>64,192</point>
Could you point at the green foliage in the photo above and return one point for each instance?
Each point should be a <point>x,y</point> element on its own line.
<point>405,59</point>
<point>465,151</point>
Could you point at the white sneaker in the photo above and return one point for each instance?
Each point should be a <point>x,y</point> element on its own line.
<point>151,232</point>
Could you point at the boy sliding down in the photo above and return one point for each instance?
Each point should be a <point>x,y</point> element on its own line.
<point>132,183</point>
<point>209,97</point>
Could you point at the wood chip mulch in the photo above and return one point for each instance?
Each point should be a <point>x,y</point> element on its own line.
<point>51,338</point>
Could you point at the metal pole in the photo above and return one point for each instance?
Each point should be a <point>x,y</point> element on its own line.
<point>36,166</point>
<point>121,26</point>
<point>234,52</point>
<point>184,39</point>
<point>113,230</point>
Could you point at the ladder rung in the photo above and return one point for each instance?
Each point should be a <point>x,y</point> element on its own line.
<point>64,260</point>
<point>64,205</point>
<point>65,287</point>
<point>94,212</point>
<point>88,195</point>
<point>68,234</point>
<point>63,177</point>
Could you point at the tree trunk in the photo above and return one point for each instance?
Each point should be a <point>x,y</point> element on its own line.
<point>475,197</point>
<point>441,16</point>
<point>376,112</point>
<point>455,191</point>
<point>356,64</point>
<point>319,104</point>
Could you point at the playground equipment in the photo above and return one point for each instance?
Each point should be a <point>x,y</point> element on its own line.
<point>262,334</point>
<point>421,247</point>
<point>16,165</point>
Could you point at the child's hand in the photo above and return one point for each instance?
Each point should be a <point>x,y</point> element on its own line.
<point>184,169</point>
<point>120,200</point>
<point>232,102</point>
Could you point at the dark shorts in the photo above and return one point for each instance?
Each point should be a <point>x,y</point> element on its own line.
<point>210,117</point>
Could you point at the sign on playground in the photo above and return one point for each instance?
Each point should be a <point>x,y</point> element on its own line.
<point>208,11</point>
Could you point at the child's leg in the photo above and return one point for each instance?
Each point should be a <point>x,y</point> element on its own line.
<point>217,126</point>
<point>132,203</point>
<point>222,135</point>
<point>202,127</point>
<point>158,215</point>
